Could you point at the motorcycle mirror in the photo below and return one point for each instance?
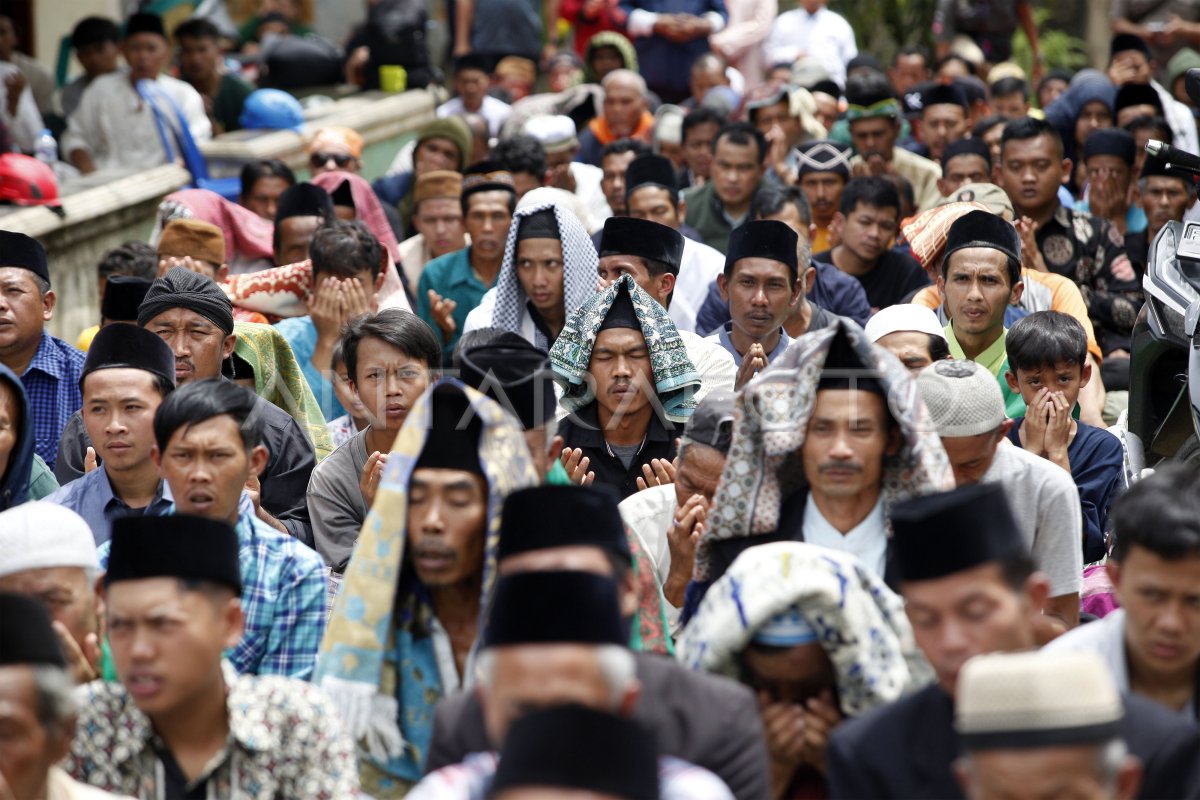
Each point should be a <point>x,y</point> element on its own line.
<point>1192,83</point>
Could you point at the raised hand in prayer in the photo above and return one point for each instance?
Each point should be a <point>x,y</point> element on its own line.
<point>659,472</point>
<point>1058,429</point>
<point>576,465</point>
<point>777,153</point>
<point>326,309</point>
<point>1033,429</point>
<point>784,725</point>
<point>442,311</point>
<point>372,473</point>
<point>873,165</point>
<point>358,299</point>
<point>90,460</point>
<point>84,663</point>
<point>754,362</point>
<point>682,538</point>
<point>821,716</point>
<point>1031,255</point>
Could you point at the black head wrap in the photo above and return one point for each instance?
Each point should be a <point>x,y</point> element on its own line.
<point>182,288</point>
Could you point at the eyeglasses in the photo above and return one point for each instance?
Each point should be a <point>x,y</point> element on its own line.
<point>321,159</point>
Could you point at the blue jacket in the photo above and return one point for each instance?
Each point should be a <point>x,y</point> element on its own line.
<point>667,66</point>
<point>14,478</point>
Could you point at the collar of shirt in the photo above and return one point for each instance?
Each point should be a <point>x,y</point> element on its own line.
<point>993,358</point>
<point>814,521</point>
<point>730,220</point>
<point>725,338</point>
<point>463,273</point>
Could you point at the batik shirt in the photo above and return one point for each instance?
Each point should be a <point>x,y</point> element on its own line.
<point>1091,251</point>
<point>285,740</point>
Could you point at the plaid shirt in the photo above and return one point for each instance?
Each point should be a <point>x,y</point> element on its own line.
<point>52,383</point>
<point>284,741</point>
<point>283,598</point>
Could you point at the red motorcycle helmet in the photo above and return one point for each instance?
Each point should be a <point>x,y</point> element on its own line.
<point>25,181</point>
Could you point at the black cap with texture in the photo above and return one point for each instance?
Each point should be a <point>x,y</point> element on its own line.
<point>983,229</point>
<point>763,238</point>
<point>544,517</point>
<point>516,375</point>
<point>577,748</point>
<point>182,288</point>
<point>622,314</point>
<point>539,225</point>
<point>176,546</point>
<point>27,633</point>
<point>941,534</point>
<point>555,608</point>
<point>19,250</point>
<point>123,294</point>
<point>304,200</point>
<point>1110,142</point>
<point>651,170</point>
<point>629,236</point>
<point>128,346</point>
<point>143,22</point>
<point>942,94</point>
<point>965,147</point>
<point>453,439</point>
<point>1123,42</point>
<point>1137,94</point>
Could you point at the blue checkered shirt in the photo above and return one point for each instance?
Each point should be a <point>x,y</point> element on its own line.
<point>52,383</point>
<point>283,598</point>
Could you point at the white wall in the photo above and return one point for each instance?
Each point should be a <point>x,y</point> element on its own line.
<point>54,19</point>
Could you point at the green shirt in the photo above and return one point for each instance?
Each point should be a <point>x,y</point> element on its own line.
<point>227,105</point>
<point>42,482</point>
<point>452,277</point>
<point>995,359</point>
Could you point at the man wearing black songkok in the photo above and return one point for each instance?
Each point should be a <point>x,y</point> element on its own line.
<point>970,589</point>
<point>179,721</point>
<point>123,295</point>
<point>193,315</point>
<point>302,209</point>
<point>554,638</point>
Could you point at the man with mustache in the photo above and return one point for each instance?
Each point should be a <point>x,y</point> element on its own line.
<point>760,283</point>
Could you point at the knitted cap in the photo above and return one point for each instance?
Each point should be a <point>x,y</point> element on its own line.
<point>963,398</point>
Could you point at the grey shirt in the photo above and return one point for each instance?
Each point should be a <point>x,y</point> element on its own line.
<point>335,503</point>
<point>1045,502</point>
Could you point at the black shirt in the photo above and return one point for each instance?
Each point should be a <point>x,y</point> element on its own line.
<point>895,277</point>
<point>582,430</point>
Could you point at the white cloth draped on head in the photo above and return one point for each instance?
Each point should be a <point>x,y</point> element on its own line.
<point>580,264</point>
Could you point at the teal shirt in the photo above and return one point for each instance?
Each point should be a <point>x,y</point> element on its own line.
<point>452,277</point>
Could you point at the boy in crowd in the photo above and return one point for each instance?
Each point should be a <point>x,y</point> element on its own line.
<point>1047,365</point>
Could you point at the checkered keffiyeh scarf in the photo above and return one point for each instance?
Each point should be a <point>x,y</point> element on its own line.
<point>764,465</point>
<point>858,620</point>
<point>675,377</point>
<point>580,264</point>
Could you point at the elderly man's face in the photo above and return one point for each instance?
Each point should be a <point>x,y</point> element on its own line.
<point>847,440</point>
<point>623,107</point>
<point>68,595</point>
<point>620,365</point>
<point>1046,773</point>
<point>612,183</point>
<point>972,456</point>
<point>447,517</point>
<point>199,345</point>
<point>434,154</point>
<point>28,749</point>
<point>24,310</point>
<point>698,472</point>
<point>911,347</point>
<point>1164,199</point>
<point>440,221</point>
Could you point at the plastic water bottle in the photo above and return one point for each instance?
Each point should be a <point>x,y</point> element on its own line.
<point>45,149</point>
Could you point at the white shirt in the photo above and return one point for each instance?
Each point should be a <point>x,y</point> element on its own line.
<point>27,124</point>
<point>649,514</point>
<point>494,111</point>
<point>1045,503</point>
<point>1179,118</point>
<point>700,266</point>
<point>118,129</point>
<point>716,366</point>
<point>1106,638</point>
<point>587,189</point>
<point>867,541</point>
<point>824,36</point>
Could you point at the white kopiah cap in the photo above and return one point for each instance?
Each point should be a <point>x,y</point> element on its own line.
<point>37,535</point>
<point>963,398</point>
<point>903,317</point>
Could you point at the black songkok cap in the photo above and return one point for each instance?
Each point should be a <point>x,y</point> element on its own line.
<point>1157,166</point>
<point>621,314</point>
<point>964,147</point>
<point>1110,142</point>
<point>470,61</point>
<point>629,236</point>
<point>539,225</point>
<point>828,87</point>
<point>19,250</point>
<point>865,60</point>
<point>27,634</point>
<point>176,546</point>
<point>555,608</point>
<point>941,94</point>
<point>561,516</point>
<point>844,369</point>
<point>983,229</point>
<point>1137,94</point>
<point>343,195</point>
<point>516,375</point>
<point>763,238</point>
<point>1128,41</point>
<point>824,156</point>
<point>123,294</point>
<point>142,22</point>
<point>651,170</point>
<point>941,534</point>
<point>182,288</point>
<point>453,440</point>
<point>131,347</point>
<point>573,747</point>
<point>304,200</point>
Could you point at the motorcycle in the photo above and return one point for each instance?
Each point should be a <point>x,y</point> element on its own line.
<point>1162,422</point>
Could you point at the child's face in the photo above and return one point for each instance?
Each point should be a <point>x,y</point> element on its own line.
<point>1061,377</point>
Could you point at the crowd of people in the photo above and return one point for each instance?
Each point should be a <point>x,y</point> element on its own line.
<point>704,410</point>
